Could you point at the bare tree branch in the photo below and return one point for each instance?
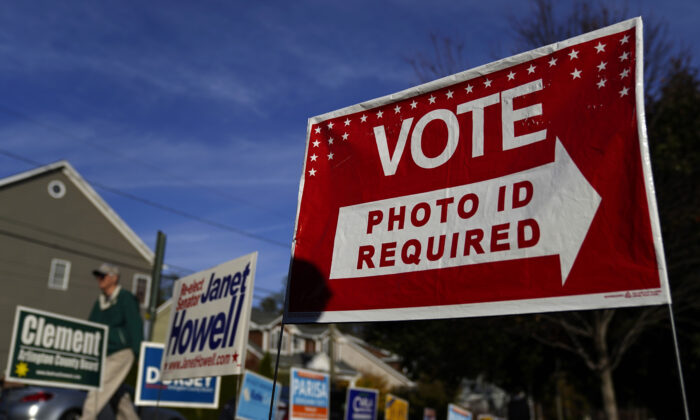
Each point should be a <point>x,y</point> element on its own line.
<point>448,58</point>
<point>648,316</point>
<point>584,331</point>
<point>579,351</point>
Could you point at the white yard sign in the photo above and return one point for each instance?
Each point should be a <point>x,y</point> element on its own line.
<point>208,330</point>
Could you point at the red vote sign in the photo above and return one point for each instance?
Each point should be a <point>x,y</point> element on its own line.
<point>520,186</point>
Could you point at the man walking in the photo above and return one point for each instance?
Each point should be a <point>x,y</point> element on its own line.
<point>119,310</point>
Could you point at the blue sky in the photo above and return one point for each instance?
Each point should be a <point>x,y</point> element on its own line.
<point>203,106</point>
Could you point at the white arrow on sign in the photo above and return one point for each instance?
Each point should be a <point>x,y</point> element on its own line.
<point>442,228</point>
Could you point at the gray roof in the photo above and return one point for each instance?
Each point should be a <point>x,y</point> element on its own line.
<point>263,318</point>
<point>312,329</point>
<point>266,318</point>
<point>302,359</point>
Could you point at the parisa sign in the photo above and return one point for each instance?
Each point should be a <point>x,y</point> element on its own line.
<point>56,350</point>
<point>208,329</point>
<point>520,186</point>
<point>309,395</point>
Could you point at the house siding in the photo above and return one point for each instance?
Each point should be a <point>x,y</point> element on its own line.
<point>36,228</point>
<point>256,338</point>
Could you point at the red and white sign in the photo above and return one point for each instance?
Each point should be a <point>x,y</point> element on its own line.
<point>520,186</point>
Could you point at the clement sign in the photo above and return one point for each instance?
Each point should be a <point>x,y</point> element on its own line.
<point>520,186</point>
<point>56,350</point>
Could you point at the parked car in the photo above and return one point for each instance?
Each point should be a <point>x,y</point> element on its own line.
<point>49,403</point>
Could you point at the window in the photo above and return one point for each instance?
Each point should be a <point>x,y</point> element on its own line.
<point>275,336</point>
<point>59,274</point>
<point>141,288</point>
<point>299,345</point>
<point>56,189</point>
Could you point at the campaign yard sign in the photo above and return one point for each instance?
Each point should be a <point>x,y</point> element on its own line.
<point>395,408</point>
<point>191,393</point>
<point>361,404</point>
<point>208,329</point>
<point>519,186</point>
<point>255,396</point>
<point>309,395</point>
<point>455,412</point>
<point>56,350</point>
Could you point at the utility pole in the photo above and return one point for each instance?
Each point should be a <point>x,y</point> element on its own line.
<point>155,283</point>
<point>331,351</point>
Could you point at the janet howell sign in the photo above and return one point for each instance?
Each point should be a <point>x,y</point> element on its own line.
<point>208,329</point>
<point>56,350</point>
<point>520,186</point>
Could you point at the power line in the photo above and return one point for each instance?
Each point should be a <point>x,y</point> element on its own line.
<point>162,207</point>
<point>57,129</point>
<point>132,197</point>
<point>64,236</point>
<point>189,215</point>
<point>18,157</point>
<point>19,236</point>
<point>68,249</point>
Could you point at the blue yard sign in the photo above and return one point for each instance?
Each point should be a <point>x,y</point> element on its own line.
<point>194,392</point>
<point>455,412</point>
<point>309,395</point>
<point>361,404</point>
<point>254,399</point>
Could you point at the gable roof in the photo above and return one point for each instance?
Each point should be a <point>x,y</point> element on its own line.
<point>264,319</point>
<point>382,354</point>
<point>67,169</point>
<point>363,348</point>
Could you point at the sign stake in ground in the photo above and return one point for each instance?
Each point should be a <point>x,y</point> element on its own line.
<point>520,186</point>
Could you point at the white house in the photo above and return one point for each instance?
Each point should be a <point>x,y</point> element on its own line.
<point>307,346</point>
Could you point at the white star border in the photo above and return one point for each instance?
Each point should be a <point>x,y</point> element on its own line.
<point>477,87</point>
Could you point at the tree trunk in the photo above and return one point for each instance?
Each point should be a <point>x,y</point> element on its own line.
<point>608,390</point>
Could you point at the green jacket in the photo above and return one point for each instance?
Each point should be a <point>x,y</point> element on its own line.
<point>121,315</point>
